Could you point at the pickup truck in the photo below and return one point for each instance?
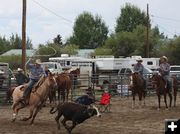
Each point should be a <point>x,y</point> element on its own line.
<point>54,67</point>
<point>7,77</point>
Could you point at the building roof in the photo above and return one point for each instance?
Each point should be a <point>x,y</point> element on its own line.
<point>29,52</point>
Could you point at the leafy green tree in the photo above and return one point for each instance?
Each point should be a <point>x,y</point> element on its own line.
<point>122,44</point>
<point>131,16</point>
<point>89,32</point>
<point>103,51</point>
<point>4,45</point>
<point>54,50</point>
<point>172,50</point>
<point>48,50</point>
<point>58,40</point>
<point>133,43</point>
<point>71,49</point>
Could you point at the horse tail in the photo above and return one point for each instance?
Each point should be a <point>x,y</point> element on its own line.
<point>58,107</point>
<point>9,93</point>
<point>51,111</point>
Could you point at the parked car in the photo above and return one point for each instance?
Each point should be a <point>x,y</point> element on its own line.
<point>53,67</point>
<point>8,78</point>
<point>130,70</point>
<point>175,70</point>
<point>125,73</point>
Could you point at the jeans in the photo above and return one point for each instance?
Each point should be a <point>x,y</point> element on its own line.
<point>31,83</point>
<point>144,82</point>
<point>168,81</point>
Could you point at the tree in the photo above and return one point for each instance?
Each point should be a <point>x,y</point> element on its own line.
<point>133,43</point>
<point>89,32</point>
<point>58,40</point>
<point>131,16</point>
<point>122,44</point>
<point>4,45</point>
<point>173,50</point>
<point>71,49</point>
<point>103,51</point>
<point>16,42</point>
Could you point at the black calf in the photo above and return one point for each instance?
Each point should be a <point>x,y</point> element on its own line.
<point>74,112</point>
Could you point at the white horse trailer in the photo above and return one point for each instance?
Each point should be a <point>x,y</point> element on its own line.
<point>84,64</point>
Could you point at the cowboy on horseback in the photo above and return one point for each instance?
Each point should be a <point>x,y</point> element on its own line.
<point>164,71</point>
<point>36,71</point>
<point>139,68</point>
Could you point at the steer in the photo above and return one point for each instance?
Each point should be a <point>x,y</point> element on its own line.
<point>74,112</point>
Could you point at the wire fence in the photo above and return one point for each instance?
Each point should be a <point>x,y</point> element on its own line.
<point>118,85</point>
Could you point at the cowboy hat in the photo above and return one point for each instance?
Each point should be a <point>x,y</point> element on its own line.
<point>164,57</point>
<point>139,59</point>
<point>38,61</point>
<point>19,69</point>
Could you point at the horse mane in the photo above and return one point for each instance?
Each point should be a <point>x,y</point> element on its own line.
<point>137,80</point>
<point>158,78</point>
<point>39,83</point>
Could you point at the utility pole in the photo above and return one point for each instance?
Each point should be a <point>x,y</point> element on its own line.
<point>24,35</point>
<point>147,34</point>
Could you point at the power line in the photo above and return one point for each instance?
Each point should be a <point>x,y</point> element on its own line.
<point>162,27</point>
<point>54,13</point>
<point>164,18</point>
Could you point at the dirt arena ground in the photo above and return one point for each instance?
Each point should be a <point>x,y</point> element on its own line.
<point>121,120</point>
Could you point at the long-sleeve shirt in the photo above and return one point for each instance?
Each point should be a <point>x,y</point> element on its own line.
<point>164,69</point>
<point>35,72</point>
<point>139,68</point>
<point>21,78</point>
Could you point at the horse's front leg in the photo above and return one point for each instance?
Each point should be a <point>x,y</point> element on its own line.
<point>165,101</point>
<point>37,109</point>
<point>170,97</point>
<point>159,101</point>
<point>144,95</point>
<point>140,99</point>
<point>175,94</point>
<point>30,116</point>
<point>133,102</point>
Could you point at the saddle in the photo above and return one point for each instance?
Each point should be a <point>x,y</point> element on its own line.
<point>168,83</point>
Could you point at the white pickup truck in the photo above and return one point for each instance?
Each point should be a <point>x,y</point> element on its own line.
<point>54,67</point>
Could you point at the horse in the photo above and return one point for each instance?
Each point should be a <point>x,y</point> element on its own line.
<point>9,94</point>
<point>74,74</point>
<point>137,87</point>
<point>36,99</point>
<point>63,86</point>
<point>159,83</point>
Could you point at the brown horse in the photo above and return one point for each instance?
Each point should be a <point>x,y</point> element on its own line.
<point>159,84</point>
<point>64,85</point>
<point>36,99</point>
<point>74,74</point>
<point>137,88</point>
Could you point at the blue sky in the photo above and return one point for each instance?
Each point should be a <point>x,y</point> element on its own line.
<point>47,18</point>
